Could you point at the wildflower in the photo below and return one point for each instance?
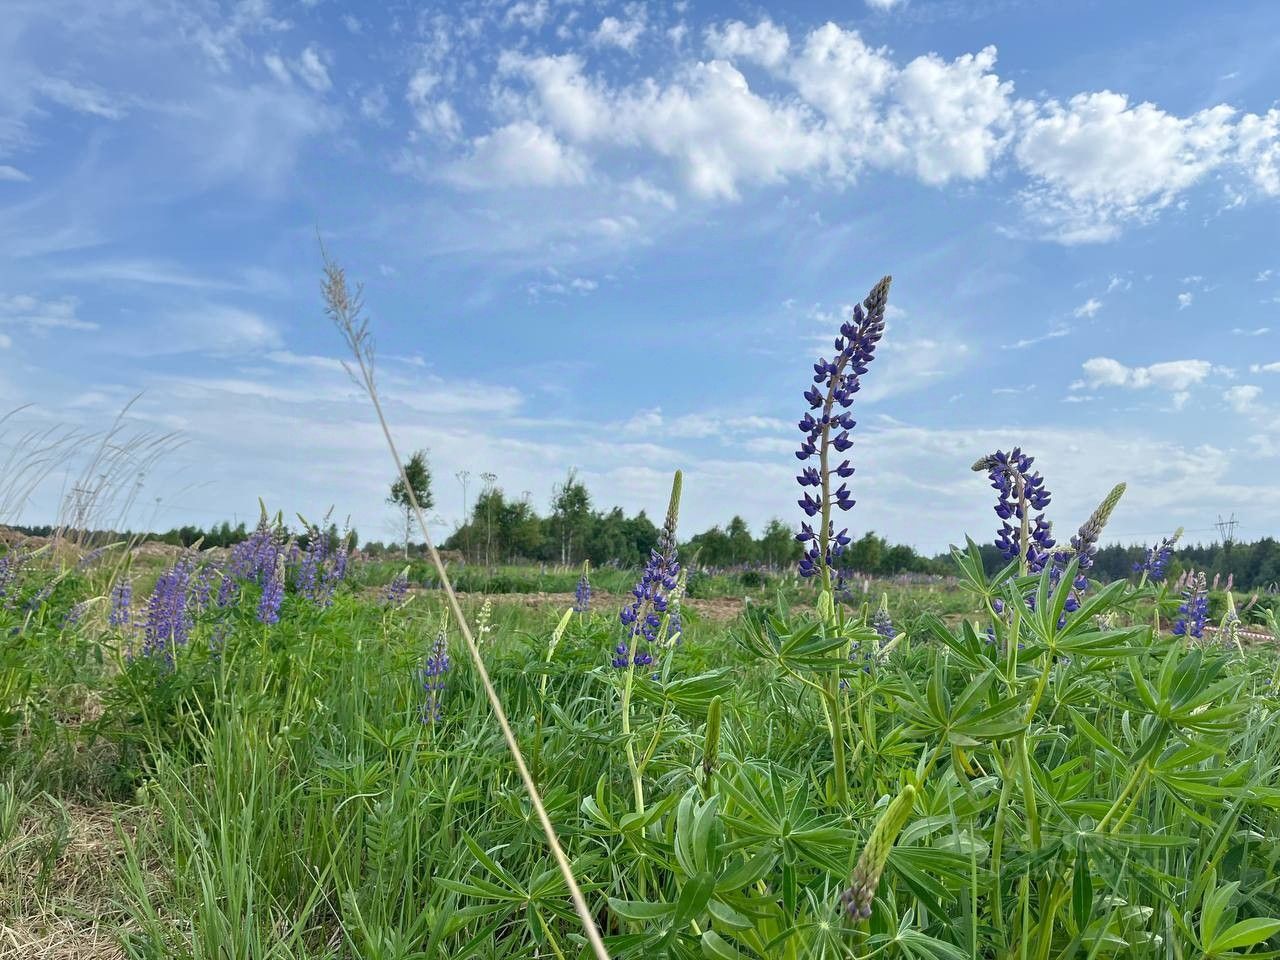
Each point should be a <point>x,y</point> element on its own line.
<point>311,582</point>
<point>881,622</point>
<point>1084,546</point>
<point>1156,562</point>
<point>168,618</point>
<point>74,614</point>
<point>121,600</point>
<point>11,565</point>
<point>433,674</point>
<point>255,557</point>
<point>228,590</point>
<point>1020,491</point>
<point>644,615</point>
<point>858,897</point>
<point>483,620</point>
<point>1194,610</point>
<point>272,594</point>
<point>397,588</point>
<point>835,382</point>
<point>582,594</point>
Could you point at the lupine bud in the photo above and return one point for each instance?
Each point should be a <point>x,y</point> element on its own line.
<point>711,745</point>
<point>857,899</point>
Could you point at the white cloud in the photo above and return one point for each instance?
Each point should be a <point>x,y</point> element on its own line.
<point>623,34</point>
<point>5,341</point>
<point>313,70</point>
<point>1102,161</point>
<point>1263,276</point>
<point>527,14</point>
<point>1089,308</point>
<point>1173,375</point>
<point>1242,398</point>
<point>1258,139</point>
<point>521,154</point>
<point>36,314</point>
<point>1255,332</point>
<point>765,43</point>
<point>434,115</point>
<point>83,99</point>
<point>1184,300</point>
<point>12,174</point>
<point>949,120</point>
<point>884,4</point>
<point>1265,368</point>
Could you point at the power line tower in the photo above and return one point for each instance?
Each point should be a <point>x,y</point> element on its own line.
<point>1227,529</point>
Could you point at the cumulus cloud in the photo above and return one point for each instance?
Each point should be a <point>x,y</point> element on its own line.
<point>1172,375</point>
<point>1243,398</point>
<point>1102,161</point>
<point>622,34</point>
<point>1184,299</point>
<point>832,106</point>
<point>433,114</point>
<point>765,43</point>
<point>521,154</point>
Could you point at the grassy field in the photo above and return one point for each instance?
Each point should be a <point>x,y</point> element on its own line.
<point>300,789</point>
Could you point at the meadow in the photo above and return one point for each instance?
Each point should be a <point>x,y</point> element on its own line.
<point>279,752</point>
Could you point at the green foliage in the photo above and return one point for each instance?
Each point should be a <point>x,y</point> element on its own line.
<point>1087,788</point>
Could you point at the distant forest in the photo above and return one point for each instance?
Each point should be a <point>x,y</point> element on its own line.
<point>502,530</point>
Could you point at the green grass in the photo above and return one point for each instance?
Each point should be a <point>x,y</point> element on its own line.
<point>280,797</point>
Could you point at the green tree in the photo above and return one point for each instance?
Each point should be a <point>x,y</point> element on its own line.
<point>570,513</point>
<point>418,474</point>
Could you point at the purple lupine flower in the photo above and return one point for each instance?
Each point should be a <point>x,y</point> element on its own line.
<point>11,565</point>
<point>168,618</point>
<point>311,580</point>
<point>1156,563</point>
<point>272,595</point>
<point>228,590</point>
<point>1020,490</point>
<point>1194,610</point>
<point>74,614</point>
<point>255,557</point>
<point>432,674</point>
<point>397,588</point>
<point>120,614</point>
<point>643,617</point>
<point>835,382</point>
<point>882,623</point>
<point>582,593</point>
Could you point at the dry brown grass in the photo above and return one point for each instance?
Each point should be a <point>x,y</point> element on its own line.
<point>59,876</point>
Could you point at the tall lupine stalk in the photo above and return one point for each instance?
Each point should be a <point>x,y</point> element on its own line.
<point>835,382</point>
<point>345,310</point>
<point>648,622</point>
<point>826,428</point>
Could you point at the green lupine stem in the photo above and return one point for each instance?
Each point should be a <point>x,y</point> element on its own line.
<point>1028,790</point>
<point>637,784</point>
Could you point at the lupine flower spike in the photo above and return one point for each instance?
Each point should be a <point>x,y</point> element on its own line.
<point>433,673</point>
<point>484,625</point>
<point>826,428</point>
<point>857,899</point>
<point>1020,491</point>
<point>645,615</point>
<point>1195,608</point>
<point>582,594</point>
<point>1156,563</point>
<point>1084,545</point>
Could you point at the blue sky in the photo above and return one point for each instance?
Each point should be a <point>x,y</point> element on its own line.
<point>613,236</point>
